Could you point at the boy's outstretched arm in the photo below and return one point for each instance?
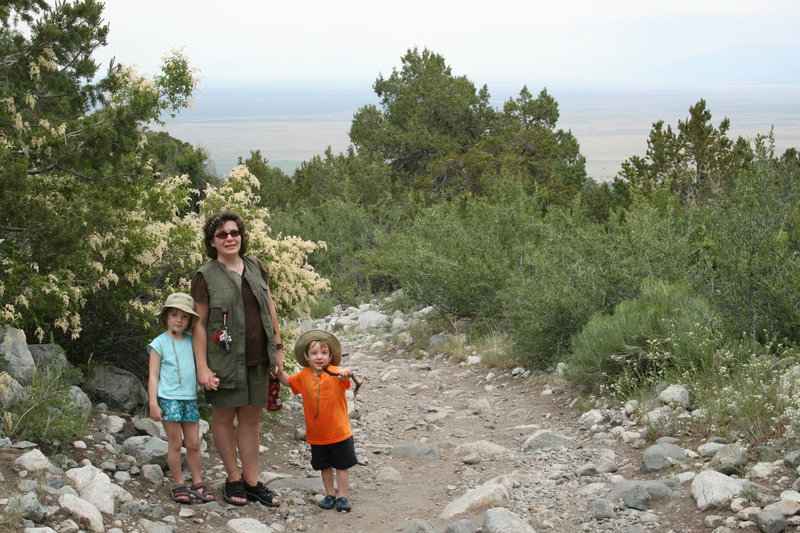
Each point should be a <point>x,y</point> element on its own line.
<point>282,376</point>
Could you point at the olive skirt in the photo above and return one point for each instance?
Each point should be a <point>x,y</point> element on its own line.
<point>253,391</point>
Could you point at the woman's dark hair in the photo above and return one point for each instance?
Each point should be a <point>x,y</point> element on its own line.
<point>213,223</point>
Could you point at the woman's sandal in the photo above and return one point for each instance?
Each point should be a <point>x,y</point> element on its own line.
<point>180,493</point>
<point>261,494</point>
<point>234,489</point>
<point>199,491</point>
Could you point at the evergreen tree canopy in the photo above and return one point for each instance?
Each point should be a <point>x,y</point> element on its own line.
<point>425,112</point>
<point>440,136</point>
<point>697,161</point>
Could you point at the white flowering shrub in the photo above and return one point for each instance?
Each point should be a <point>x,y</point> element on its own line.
<point>295,284</point>
<point>746,393</point>
<point>92,237</point>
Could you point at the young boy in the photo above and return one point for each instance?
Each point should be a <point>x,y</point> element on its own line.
<point>322,384</point>
<point>172,392</point>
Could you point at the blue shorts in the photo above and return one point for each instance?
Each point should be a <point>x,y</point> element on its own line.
<point>179,410</point>
<point>339,455</point>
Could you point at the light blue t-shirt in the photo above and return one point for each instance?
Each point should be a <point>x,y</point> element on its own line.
<point>177,379</point>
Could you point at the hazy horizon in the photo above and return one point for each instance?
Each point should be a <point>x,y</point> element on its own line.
<point>291,122</point>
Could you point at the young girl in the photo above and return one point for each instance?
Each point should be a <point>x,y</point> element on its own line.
<point>322,384</point>
<point>172,391</point>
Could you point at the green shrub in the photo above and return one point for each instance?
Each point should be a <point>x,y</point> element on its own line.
<point>750,253</point>
<point>563,277</point>
<point>495,349</point>
<point>579,267</point>
<point>664,331</point>
<point>459,256</point>
<point>347,228</point>
<point>323,306</point>
<point>46,414</point>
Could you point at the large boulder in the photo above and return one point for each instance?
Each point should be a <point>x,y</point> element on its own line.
<point>370,320</point>
<point>546,439</point>
<point>49,356</point>
<point>501,520</point>
<point>146,450</point>
<point>119,389</point>
<point>11,391</point>
<point>730,459</point>
<point>713,489</point>
<point>675,395</point>
<point>14,351</point>
<point>80,401</point>
<point>660,456</point>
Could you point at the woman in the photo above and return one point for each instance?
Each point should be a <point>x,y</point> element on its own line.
<point>237,347</point>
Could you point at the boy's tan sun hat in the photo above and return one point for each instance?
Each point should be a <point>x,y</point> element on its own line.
<point>182,301</point>
<point>317,335</point>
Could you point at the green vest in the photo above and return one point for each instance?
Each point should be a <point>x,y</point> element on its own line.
<point>225,297</point>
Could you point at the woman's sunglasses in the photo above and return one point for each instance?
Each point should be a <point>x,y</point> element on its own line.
<point>224,234</point>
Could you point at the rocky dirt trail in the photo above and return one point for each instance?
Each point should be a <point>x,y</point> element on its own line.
<point>444,447</point>
<point>440,443</point>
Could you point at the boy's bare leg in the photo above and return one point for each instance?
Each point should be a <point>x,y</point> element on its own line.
<point>327,481</point>
<point>343,482</point>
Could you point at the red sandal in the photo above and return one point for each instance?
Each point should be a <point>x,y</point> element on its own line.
<point>180,494</point>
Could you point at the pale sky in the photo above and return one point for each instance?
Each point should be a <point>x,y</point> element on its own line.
<point>514,41</point>
<point>614,66</point>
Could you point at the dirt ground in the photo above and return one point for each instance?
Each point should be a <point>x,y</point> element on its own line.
<point>395,404</point>
<point>402,401</point>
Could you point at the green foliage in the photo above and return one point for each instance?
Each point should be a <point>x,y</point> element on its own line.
<point>173,157</point>
<point>72,160</point>
<point>46,414</point>
<point>696,162</point>
<point>426,112</point>
<point>96,228</point>
<point>664,331</point>
<point>347,229</point>
<point>600,200</point>
<point>457,256</point>
<point>576,266</point>
<point>443,140</point>
<point>349,177</point>
<point>274,185</point>
<point>323,307</point>
<point>565,273</point>
<point>749,240</point>
<point>495,349</point>
<point>548,159</point>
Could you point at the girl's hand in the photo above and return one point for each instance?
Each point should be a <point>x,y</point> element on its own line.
<point>156,414</point>
<point>209,381</point>
<point>345,374</point>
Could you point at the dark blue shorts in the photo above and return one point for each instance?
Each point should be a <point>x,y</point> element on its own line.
<point>339,455</point>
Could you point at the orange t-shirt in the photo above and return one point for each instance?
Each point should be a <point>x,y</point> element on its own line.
<point>324,405</point>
